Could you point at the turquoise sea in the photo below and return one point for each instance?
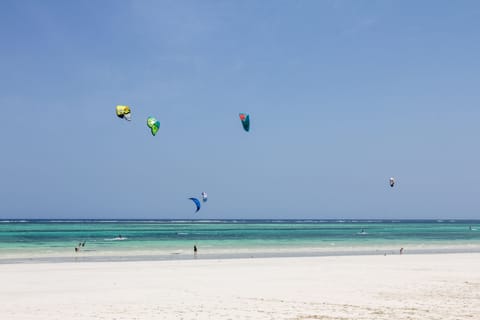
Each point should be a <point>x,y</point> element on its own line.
<point>117,240</point>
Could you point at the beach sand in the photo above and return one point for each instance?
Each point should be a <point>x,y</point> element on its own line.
<point>441,286</point>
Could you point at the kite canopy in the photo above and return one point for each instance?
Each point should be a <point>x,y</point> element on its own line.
<point>124,112</point>
<point>204,196</point>
<point>392,182</point>
<point>245,118</point>
<point>153,124</point>
<point>197,203</point>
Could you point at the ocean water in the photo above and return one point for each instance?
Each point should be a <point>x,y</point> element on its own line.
<point>116,240</point>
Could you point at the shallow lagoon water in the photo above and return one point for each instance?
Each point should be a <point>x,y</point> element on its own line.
<point>118,240</point>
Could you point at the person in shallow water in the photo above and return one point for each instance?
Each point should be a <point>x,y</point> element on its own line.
<point>195,249</point>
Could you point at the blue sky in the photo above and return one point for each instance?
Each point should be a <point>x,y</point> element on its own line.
<point>342,95</point>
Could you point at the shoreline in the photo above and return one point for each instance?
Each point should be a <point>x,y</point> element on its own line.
<point>138,256</point>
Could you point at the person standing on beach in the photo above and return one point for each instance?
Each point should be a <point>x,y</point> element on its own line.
<point>401,250</point>
<point>195,250</point>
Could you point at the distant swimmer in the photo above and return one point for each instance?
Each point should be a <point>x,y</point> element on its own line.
<point>83,243</point>
<point>362,232</point>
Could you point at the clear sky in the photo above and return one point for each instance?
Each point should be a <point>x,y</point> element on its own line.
<point>342,96</point>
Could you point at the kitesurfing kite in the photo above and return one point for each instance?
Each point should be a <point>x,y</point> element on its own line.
<point>245,118</point>
<point>124,112</point>
<point>392,182</point>
<point>204,196</point>
<point>153,124</point>
<point>197,203</point>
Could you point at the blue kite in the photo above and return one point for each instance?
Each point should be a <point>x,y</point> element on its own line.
<point>197,203</point>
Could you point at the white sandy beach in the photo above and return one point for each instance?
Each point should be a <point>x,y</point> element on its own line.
<point>442,286</point>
